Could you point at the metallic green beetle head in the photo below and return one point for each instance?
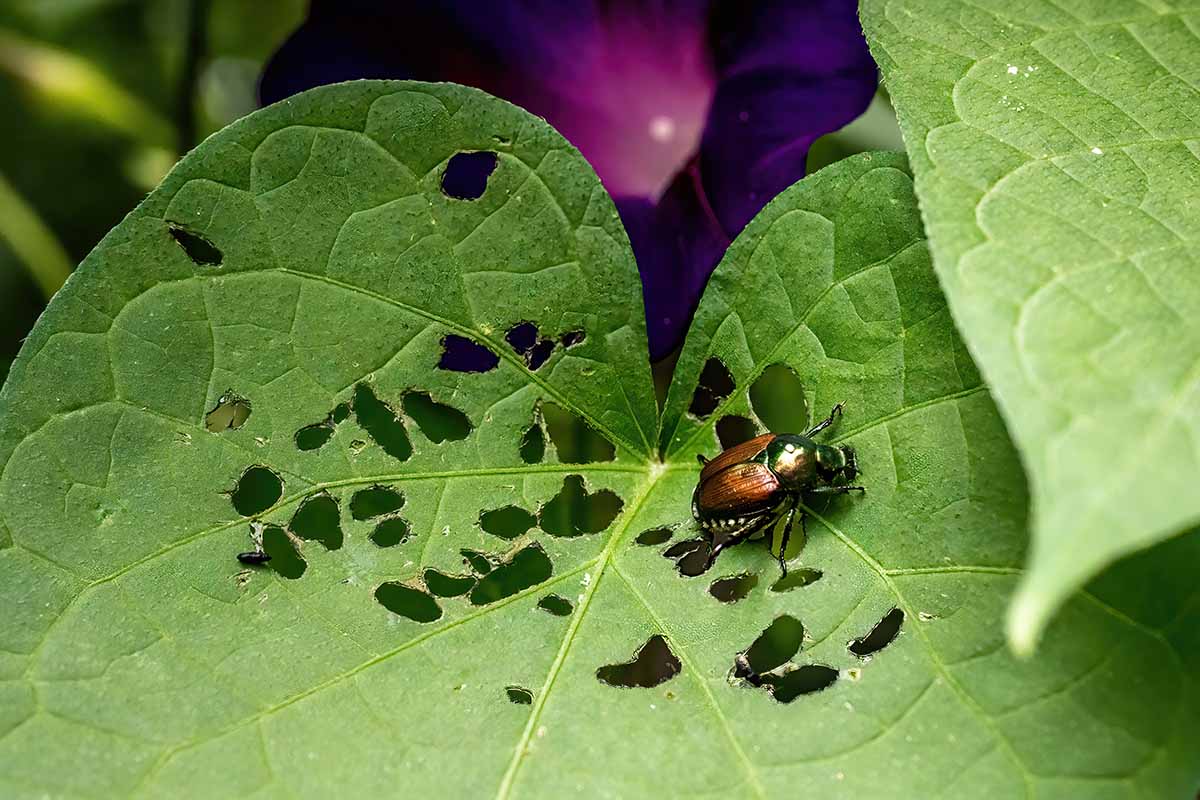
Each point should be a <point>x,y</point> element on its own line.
<point>836,463</point>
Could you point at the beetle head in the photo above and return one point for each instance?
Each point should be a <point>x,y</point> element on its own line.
<point>836,463</point>
<point>850,471</point>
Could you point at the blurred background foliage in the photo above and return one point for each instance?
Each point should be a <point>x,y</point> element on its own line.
<point>101,97</point>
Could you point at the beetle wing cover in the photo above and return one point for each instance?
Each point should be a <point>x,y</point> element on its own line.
<point>742,488</point>
<point>735,455</point>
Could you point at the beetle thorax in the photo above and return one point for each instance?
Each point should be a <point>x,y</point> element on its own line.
<point>794,461</point>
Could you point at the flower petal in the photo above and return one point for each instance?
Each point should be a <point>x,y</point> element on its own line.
<point>788,74</point>
<point>678,244</point>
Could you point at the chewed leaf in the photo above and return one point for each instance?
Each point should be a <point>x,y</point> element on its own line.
<point>435,654</point>
<point>1059,178</point>
<point>653,664</point>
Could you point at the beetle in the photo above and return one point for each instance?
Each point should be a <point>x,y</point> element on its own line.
<point>752,485</point>
<point>258,556</point>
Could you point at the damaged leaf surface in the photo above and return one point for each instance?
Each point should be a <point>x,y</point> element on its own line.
<point>139,658</point>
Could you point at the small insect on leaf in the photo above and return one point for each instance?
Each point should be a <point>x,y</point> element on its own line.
<point>254,558</point>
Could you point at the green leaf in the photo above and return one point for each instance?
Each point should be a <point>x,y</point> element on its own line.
<point>415,642</point>
<point>1055,151</point>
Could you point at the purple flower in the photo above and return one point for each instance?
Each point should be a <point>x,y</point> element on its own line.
<point>694,113</point>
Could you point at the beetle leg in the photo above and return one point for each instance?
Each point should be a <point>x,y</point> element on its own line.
<point>836,489</point>
<point>700,457</point>
<point>825,423</point>
<point>738,536</point>
<point>787,535</point>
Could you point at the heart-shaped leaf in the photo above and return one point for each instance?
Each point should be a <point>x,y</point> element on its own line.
<point>1056,156</point>
<point>301,348</point>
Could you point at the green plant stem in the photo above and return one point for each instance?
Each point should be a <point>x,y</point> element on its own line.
<point>32,241</point>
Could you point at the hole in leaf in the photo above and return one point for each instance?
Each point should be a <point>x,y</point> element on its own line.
<point>789,684</point>
<point>654,536</point>
<point>390,532</point>
<point>230,413</point>
<point>438,421</point>
<point>375,501</point>
<point>519,695</point>
<point>443,585</point>
<point>796,578</point>
<point>460,354</point>
<point>654,664</point>
<point>540,354</point>
<point>258,489</point>
<point>680,549</point>
<point>481,563</point>
<point>733,430</point>
<point>318,520</point>
<point>508,522</point>
<point>575,441</point>
<point>199,249</point>
<point>690,556</point>
<point>525,338</point>
<point>408,602</point>
<point>572,338</point>
<point>314,437</point>
<point>574,512</point>
<point>284,558</point>
<point>716,383</point>
<point>522,337</point>
<point>556,605</point>
<point>883,634</point>
<point>773,648</point>
<point>382,423</point>
<point>466,175</point>
<point>533,445</point>
<point>527,568</point>
<point>733,588</point>
<point>778,400</point>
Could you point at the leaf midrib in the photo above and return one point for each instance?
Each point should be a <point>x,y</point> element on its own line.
<point>601,562</point>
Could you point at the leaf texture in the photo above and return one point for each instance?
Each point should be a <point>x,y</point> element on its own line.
<point>419,650</point>
<point>1056,149</point>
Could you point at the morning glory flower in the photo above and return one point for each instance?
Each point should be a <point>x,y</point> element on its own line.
<point>694,113</point>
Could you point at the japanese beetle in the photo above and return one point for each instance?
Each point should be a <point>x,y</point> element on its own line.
<point>750,486</point>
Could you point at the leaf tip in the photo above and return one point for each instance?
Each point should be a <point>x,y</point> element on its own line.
<point>1026,619</point>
